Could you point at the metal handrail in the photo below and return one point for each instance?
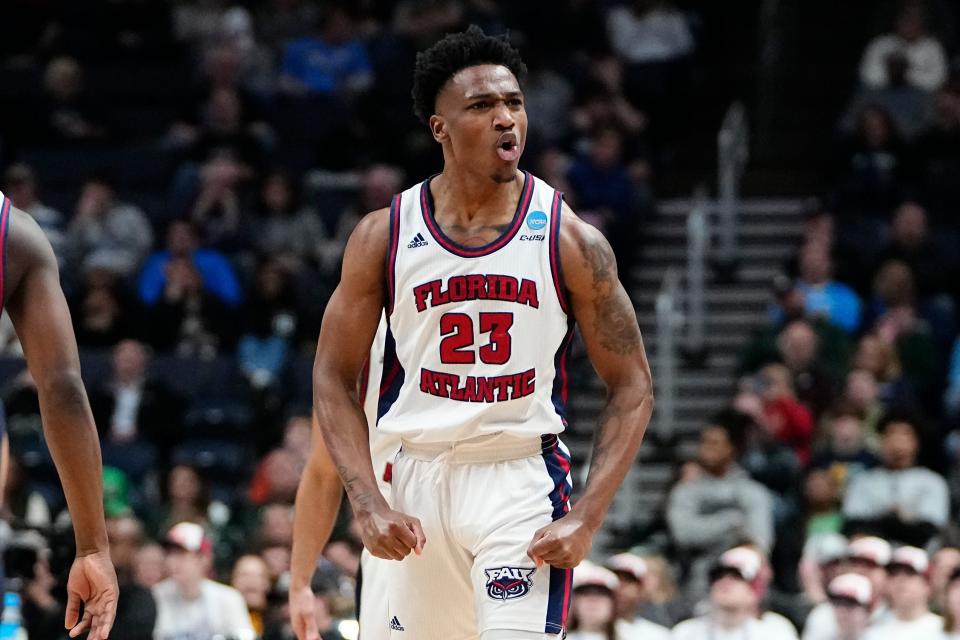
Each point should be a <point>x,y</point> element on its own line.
<point>698,238</point>
<point>665,375</point>
<point>733,150</point>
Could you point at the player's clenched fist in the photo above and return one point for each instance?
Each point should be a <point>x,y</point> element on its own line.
<point>391,535</point>
<point>562,544</point>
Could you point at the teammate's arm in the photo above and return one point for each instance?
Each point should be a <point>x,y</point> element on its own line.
<point>315,513</point>
<point>346,334</point>
<point>609,328</point>
<point>39,312</point>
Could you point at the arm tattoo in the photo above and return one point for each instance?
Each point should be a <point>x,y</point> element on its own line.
<point>608,422</point>
<point>358,496</point>
<point>615,321</point>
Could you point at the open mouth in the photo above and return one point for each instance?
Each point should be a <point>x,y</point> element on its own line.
<point>508,147</point>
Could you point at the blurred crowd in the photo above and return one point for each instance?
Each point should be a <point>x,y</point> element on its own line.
<point>198,166</point>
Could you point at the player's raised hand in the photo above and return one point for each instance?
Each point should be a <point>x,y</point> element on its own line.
<point>303,615</point>
<point>390,534</point>
<point>92,582</point>
<point>563,543</point>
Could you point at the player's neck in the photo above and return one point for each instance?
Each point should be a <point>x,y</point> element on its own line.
<point>472,197</point>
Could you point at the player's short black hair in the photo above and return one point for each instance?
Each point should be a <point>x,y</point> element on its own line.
<point>456,51</point>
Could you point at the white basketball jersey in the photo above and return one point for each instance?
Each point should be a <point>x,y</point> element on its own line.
<point>477,336</point>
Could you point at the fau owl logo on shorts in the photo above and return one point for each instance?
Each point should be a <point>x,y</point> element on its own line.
<point>509,583</point>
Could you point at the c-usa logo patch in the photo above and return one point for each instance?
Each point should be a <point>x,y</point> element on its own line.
<point>509,583</point>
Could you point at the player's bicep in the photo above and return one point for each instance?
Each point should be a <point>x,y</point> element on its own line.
<point>601,306</point>
<point>37,305</point>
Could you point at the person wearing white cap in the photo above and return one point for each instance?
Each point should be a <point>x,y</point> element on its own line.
<point>737,583</point>
<point>188,604</point>
<point>821,562</point>
<point>866,556</point>
<point>630,594</point>
<point>593,613</point>
<point>908,588</point>
<point>851,597</point>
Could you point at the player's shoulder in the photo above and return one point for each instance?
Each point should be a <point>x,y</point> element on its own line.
<point>373,230</point>
<point>26,247</point>
<point>585,254</point>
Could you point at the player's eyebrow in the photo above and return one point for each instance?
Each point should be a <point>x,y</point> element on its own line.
<point>487,96</point>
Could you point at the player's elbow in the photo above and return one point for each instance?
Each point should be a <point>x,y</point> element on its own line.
<point>63,389</point>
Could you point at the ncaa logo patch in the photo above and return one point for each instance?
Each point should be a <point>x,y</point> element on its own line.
<point>509,583</point>
<point>536,220</point>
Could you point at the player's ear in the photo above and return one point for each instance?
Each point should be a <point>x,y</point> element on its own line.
<point>438,128</point>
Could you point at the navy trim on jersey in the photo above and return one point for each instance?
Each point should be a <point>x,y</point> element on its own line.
<point>4,225</point>
<point>391,378</point>
<point>392,252</point>
<point>559,395</point>
<point>426,209</point>
<point>558,600</point>
<point>556,268</point>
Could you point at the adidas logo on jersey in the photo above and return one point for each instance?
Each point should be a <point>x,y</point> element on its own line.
<point>418,241</point>
<point>394,622</point>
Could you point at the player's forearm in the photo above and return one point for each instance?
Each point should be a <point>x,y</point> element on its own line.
<point>72,439</point>
<point>318,501</point>
<point>615,444</point>
<point>345,433</point>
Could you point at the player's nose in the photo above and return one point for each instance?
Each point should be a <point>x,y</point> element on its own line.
<point>502,117</point>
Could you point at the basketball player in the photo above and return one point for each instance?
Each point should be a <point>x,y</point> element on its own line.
<point>30,291</point>
<point>318,502</point>
<point>482,271</point>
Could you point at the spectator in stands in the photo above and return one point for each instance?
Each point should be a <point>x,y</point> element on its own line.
<point>720,506</point>
<point>20,185</point>
<point>134,407</point>
<point>939,151</point>
<point>822,560</point>
<point>844,453</point>
<point>926,59</point>
<point>216,273</point>
<point>602,185</point>
<point>280,21</point>
<point>908,589</point>
<point>149,567</point>
<point>644,32</point>
<point>278,473</point>
<point>217,210</point>
<point>108,232</point>
<point>423,22</point>
<point>868,557</point>
<point>900,500</point>
<point>787,419</point>
<point>765,457</point>
<point>944,564</point>
<point>821,493</point>
<point>799,347</point>
<point>873,166</point>
<point>548,98</point>
<point>909,106</point>
<point>103,311</point>
<point>333,61</point>
<point>630,596</point>
<point>273,322</point>
<point>822,295</point>
<point>251,578</point>
<point>880,359</point>
<point>186,499</point>
<point>899,325</point>
<point>189,318</point>
<point>136,609</point>
<point>189,604</point>
<point>737,587</point>
<point>851,596</point>
<point>593,614</point>
<point>286,229</point>
<point>951,396</point>
<point>68,113</point>
<point>951,610</point>
<point>224,136</point>
<point>862,393</point>
<point>276,525</point>
<point>911,242</point>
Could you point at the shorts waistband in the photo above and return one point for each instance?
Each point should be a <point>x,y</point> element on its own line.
<point>496,447</point>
